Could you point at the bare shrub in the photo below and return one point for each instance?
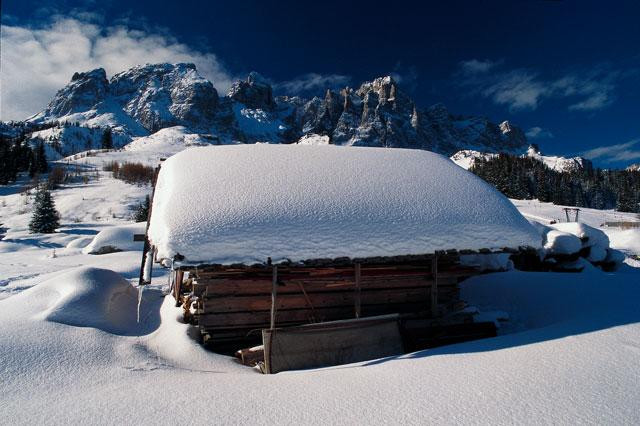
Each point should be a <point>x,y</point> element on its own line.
<point>135,173</point>
<point>57,176</point>
<point>111,166</point>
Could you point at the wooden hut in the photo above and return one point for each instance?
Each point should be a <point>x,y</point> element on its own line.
<point>281,237</point>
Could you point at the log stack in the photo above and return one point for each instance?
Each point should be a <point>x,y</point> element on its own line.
<point>232,304</point>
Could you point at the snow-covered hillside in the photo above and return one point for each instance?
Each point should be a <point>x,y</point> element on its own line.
<point>466,159</point>
<point>75,347</point>
<point>559,164</point>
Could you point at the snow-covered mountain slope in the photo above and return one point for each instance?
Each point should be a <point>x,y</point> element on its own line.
<point>466,159</point>
<point>145,99</point>
<point>559,164</point>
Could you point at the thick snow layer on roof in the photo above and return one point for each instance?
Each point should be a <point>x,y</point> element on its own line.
<point>244,203</point>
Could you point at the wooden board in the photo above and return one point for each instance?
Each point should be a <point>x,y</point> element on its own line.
<point>229,287</point>
<point>286,301</point>
<point>332,343</point>
<point>261,319</point>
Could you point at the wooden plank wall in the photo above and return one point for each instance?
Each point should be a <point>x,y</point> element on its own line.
<point>231,303</point>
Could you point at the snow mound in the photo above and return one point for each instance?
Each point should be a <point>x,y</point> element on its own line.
<point>116,238</point>
<point>558,242</point>
<point>87,297</point>
<point>565,242</point>
<point>588,235</point>
<point>299,202</point>
<point>80,242</point>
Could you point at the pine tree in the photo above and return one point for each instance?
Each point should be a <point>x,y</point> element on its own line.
<point>107,139</point>
<point>45,217</point>
<point>7,162</point>
<point>542,188</point>
<point>40,160</point>
<point>625,201</point>
<point>142,212</point>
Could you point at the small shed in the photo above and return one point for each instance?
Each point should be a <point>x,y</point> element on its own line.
<point>263,236</point>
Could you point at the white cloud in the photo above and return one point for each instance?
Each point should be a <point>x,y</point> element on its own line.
<point>474,66</point>
<point>538,133</point>
<point>620,152</point>
<point>311,82</point>
<point>524,89</point>
<point>37,61</point>
<point>517,89</point>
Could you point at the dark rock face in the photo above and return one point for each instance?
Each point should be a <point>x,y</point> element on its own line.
<point>377,113</point>
<point>166,95</point>
<point>155,96</point>
<point>85,90</point>
<point>254,92</point>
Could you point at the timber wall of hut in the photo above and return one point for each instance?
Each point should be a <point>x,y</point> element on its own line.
<point>232,304</point>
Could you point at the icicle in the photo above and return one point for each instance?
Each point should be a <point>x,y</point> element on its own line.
<point>140,290</point>
<point>148,264</point>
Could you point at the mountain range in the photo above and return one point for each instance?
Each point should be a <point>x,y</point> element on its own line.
<point>145,99</point>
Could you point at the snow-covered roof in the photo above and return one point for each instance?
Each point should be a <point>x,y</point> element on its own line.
<point>245,203</point>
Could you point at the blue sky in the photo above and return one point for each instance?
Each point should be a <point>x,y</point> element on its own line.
<point>567,72</point>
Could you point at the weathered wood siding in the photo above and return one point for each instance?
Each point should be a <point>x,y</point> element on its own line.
<point>231,303</point>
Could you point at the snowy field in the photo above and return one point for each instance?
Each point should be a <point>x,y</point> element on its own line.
<point>73,349</point>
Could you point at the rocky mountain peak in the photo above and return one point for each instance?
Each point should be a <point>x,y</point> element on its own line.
<point>384,87</point>
<point>533,150</point>
<point>84,91</point>
<point>514,136</point>
<point>506,127</point>
<point>163,95</point>
<point>151,97</point>
<point>97,74</point>
<point>254,92</point>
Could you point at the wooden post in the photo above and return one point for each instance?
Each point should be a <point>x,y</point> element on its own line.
<point>434,286</point>
<point>357,298</point>
<point>274,292</point>
<point>179,275</point>
<point>147,245</point>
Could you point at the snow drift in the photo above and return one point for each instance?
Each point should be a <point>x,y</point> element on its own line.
<point>86,297</point>
<point>116,238</point>
<point>246,203</point>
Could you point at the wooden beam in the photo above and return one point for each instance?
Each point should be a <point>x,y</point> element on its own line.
<point>229,287</point>
<point>147,245</point>
<point>434,286</point>
<point>179,275</point>
<point>274,292</point>
<point>312,301</point>
<point>357,295</point>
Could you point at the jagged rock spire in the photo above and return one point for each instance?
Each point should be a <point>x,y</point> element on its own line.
<point>254,92</point>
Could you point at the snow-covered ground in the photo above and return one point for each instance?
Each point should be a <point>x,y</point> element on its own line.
<point>72,349</point>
